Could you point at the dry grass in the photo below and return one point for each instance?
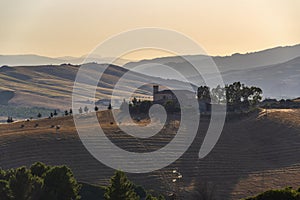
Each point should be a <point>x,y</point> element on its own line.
<point>252,155</point>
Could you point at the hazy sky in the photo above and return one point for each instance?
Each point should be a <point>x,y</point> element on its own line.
<point>74,27</point>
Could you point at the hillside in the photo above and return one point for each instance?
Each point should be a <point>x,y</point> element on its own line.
<point>278,80</point>
<point>236,61</point>
<point>51,86</point>
<point>254,153</point>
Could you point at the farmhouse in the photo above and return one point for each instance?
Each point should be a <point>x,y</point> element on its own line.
<point>163,96</point>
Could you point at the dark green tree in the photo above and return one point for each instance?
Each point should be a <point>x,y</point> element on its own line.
<point>145,106</point>
<point>109,107</point>
<point>150,197</point>
<point>39,115</point>
<point>10,120</point>
<point>39,169</point>
<point>283,194</point>
<point>203,93</point>
<point>256,94</point>
<point>5,192</point>
<point>120,188</point>
<point>22,184</point>
<point>60,184</point>
<point>134,102</point>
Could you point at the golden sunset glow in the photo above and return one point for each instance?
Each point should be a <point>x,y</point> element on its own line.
<point>75,27</point>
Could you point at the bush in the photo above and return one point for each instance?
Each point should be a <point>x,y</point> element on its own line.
<point>283,194</point>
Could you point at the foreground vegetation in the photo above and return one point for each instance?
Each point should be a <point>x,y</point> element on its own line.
<point>282,194</point>
<point>42,182</point>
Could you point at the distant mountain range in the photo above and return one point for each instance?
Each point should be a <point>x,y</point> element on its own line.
<point>236,61</point>
<point>276,71</point>
<point>31,60</point>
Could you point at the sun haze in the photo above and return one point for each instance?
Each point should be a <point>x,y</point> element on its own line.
<point>74,27</point>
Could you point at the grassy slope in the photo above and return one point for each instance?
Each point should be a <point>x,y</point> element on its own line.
<point>253,154</point>
<point>51,86</point>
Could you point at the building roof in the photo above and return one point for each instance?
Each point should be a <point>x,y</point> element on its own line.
<point>175,91</point>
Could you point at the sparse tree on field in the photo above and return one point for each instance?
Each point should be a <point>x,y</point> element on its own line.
<point>55,113</point>
<point>51,115</point>
<point>70,111</point>
<point>86,109</point>
<point>134,102</point>
<point>109,106</point>
<point>80,110</point>
<point>96,108</point>
<point>10,120</point>
<point>66,113</point>
<point>39,115</point>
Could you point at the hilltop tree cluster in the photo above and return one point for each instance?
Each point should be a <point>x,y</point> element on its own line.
<point>142,107</point>
<point>136,106</point>
<point>236,95</point>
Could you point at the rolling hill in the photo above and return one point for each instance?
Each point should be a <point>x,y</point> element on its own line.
<point>236,61</point>
<point>275,70</point>
<point>51,86</point>
<point>254,153</point>
<point>34,60</point>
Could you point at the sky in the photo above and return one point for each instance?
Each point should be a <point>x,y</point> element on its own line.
<point>59,28</point>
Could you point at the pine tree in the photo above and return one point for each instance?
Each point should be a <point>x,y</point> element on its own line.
<point>120,188</point>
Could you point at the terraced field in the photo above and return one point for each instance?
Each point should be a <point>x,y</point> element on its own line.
<point>255,153</point>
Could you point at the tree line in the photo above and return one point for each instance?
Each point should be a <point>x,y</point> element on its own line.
<point>236,95</point>
<point>43,182</point>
